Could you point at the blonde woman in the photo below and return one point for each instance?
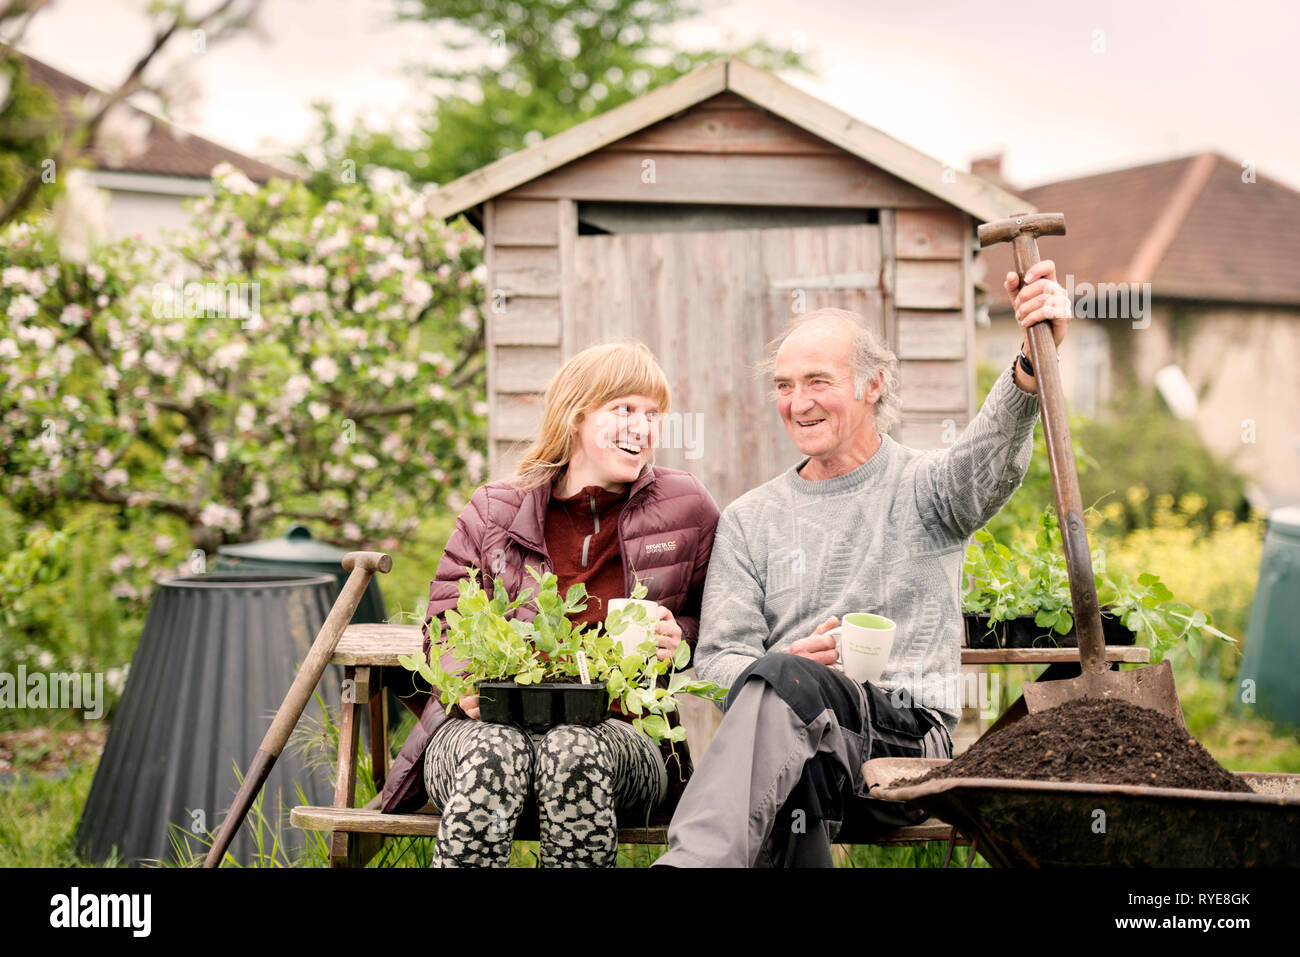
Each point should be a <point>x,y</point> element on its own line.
<point>588,504</point>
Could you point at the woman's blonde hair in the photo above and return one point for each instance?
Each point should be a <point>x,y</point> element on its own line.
<point>583,384</point>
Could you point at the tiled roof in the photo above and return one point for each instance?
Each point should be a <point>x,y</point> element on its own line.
<point>168,152</point>
<point>1190,226</point>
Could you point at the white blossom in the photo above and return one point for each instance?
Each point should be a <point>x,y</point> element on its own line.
<point>296,389</point>
<point>123,134</point>
<point>300,305</point>
<point>474,463</point>
<point>260,494</point>
<point>232,179</point>
<point>22,308</point>
<point>325,369</point>
<point>331,244</point>
<point>418,293</point>
<point>229,355</point>
<point>219,516</point>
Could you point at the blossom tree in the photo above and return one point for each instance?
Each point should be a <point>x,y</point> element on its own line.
<point>282,358</point>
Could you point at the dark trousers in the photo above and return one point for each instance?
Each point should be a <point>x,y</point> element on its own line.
<point>783,774</point>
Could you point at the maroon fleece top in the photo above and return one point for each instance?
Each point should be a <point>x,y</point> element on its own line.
<point>582,541</point>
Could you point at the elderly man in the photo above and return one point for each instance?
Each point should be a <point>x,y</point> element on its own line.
<point>862,523</point>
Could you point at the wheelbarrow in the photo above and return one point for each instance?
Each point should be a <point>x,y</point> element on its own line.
<point>1022,823</point>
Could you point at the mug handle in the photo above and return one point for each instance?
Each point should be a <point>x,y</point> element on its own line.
<point>839,648</point>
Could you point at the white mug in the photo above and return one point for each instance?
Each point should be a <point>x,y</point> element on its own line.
<point>864,641</point>
<point>635,635</point>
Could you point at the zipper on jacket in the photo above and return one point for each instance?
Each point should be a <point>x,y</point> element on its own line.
<point>586,542</point>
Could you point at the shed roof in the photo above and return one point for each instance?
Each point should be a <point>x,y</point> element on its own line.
<point>1192,227</point>
<point>970,193</point>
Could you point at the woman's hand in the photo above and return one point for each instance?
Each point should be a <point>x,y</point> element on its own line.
<point>668,634</point>
<point>469,704</point>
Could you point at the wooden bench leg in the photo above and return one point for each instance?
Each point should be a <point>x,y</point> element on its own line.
<point>354,679</point>
<point>362,847</point>
<point>378,730</point>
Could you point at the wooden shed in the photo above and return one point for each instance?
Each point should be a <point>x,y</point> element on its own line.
<point>697,219</point>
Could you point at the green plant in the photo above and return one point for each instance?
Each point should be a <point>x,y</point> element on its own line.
<point>1006,581</point>
<point>493,646</point>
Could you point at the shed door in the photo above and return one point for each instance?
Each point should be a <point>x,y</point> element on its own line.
<point>707,304</point>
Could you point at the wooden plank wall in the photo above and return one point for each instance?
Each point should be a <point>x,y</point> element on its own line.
<point>525,319</point>
<point>934,314</point>
<point>707,304</point>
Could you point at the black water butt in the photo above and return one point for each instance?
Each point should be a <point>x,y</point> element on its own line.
<point>217,655</point>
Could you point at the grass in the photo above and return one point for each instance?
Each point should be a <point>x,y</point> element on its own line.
<point>38,819</point>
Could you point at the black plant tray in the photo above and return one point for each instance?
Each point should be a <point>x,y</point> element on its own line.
<point>1021,632</point>
<point>542,706</point>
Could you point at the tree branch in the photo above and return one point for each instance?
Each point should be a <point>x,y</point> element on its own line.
<point>90,128</point>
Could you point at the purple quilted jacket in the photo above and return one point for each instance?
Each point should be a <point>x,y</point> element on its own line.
<point>665,534</point>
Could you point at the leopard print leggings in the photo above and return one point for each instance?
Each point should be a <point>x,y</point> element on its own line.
<point>583,779</point>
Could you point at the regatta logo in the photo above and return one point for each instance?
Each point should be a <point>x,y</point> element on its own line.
<point>58,691</point>
<point>102,910</point>
<point>655,547</point>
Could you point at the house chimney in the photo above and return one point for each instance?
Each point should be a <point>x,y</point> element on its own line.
<point>990,168</point>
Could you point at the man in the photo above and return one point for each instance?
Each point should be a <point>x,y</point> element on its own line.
<point>861,524</point>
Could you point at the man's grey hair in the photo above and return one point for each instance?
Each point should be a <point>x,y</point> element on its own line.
<point>870,357</point>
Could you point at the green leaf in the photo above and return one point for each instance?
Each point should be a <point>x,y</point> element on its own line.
<point>682,656</point>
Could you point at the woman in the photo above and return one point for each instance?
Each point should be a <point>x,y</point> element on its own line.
<point>588,504</point>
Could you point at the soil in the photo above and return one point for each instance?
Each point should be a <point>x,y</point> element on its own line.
<point>1097,742</point>
<point>43,751</point>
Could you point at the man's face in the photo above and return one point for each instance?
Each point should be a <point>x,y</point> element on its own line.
<point>814,389</point>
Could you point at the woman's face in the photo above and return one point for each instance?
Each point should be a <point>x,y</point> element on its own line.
<point>614,442</point>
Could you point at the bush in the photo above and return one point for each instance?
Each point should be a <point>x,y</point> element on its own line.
<point>1144,447</point>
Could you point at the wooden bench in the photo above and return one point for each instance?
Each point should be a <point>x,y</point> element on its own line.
<point>357,834</point>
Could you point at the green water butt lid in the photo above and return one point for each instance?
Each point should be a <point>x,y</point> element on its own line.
<point>295,547</point>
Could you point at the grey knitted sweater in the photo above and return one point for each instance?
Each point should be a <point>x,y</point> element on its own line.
<point>889,537</point>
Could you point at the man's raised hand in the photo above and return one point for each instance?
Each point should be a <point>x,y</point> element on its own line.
<point>819,646</point>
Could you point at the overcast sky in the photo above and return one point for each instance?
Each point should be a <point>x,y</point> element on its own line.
<point>1062,88</point>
